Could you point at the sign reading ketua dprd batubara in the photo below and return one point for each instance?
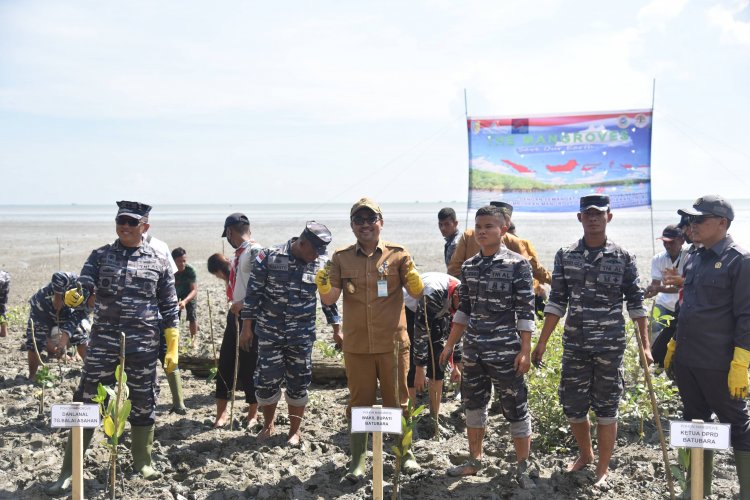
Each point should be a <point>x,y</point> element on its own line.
<point>545,164</point>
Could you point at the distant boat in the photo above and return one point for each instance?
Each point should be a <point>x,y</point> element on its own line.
<point>565,167</point>
<point>519,168</point>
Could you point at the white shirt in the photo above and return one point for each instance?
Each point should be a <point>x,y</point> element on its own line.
<point>162,249</point>
<point>243,269</point>
<point>663,261</point>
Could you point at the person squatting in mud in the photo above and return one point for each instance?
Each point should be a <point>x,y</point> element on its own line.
<point>52,325</point>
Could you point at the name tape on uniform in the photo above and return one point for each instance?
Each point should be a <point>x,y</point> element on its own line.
<point>86,416</point>
<point>367,419</point>
<point>698,435</point>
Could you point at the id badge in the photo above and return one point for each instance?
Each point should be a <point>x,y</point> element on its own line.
<point>382,288</point>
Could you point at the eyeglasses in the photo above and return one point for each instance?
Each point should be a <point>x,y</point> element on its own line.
<point>124,220</point>
<point>700,219</point>
<point>372,219</point>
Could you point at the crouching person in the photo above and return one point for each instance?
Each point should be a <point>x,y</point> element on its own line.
<point>497,314</point>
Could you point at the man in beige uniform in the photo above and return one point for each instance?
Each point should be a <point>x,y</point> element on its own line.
<point>371,274</point>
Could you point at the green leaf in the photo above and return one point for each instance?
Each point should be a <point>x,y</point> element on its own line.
<point>110,392</point>
<point>212,374</point>
<point>418,411</point>
<point>109,426</point>
<point>124,412</point>
<point>396,451</point>
<point>403,422</point>
<point>120,427</point>
<point>406,440</point>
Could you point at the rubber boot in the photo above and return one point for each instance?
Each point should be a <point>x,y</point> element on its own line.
<point>142,440</point>
<point>410,465</point>
<point>742,462</point>
<point>175,387</point>
<point>62,485</point>
<point>358,450</point>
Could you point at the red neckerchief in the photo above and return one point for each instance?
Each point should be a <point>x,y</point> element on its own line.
<point>233,272</point>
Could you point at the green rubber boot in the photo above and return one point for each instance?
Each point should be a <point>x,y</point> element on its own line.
<point>142,440</point>
<point>62,485</point>
<point>175,386</point>
<point>358,450</point>
<point>742,462</point>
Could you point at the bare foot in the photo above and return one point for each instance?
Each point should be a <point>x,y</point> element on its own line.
<point>251,422</point>
<point>579,464</point>
<point>266,433</point>
<point>294,440</point>
<point>601,480</point>
<point>221,421</point>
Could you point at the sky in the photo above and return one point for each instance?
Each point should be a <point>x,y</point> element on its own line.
<point>325,102</point>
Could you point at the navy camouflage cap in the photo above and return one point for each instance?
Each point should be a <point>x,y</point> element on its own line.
<point>233,219</point>
<point>711,204</point>
<point>133,209</point>
<point>507,208</point>
<point>318,235</point>
<point>597,201</point>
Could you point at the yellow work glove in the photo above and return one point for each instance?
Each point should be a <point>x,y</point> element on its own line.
<point>74,297</point>
<point>738,380</point>
<point>172,336</point>
<point>322,279</point>
<point>671,346</point>
<point>414,283</point>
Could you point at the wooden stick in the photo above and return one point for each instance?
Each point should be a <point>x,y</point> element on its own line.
<point>115,418</point>
<point>399,459</point>
<point>77,480</point>
<point>696,468</point>
<point>434,373</point>
<point>377,463</point>
<point>657,418</point>
<point>236,368</point>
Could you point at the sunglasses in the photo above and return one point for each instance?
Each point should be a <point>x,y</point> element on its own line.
<point>700,219</point>
<point>124,220</point>
<point>372,219</point>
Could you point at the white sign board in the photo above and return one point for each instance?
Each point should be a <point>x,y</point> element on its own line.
<point>698,435</point>
<point>367,419</point>
<point>86,416</point>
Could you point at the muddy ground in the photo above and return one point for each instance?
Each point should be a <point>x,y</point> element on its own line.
<point>200,462</point>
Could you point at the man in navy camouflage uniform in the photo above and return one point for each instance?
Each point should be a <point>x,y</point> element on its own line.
<point>280,304</point>
<point>133,289</point>
<point>497,313</point>
<point>4,290</point>
<point>590,279</point>
<point>54,324</point>
<point>441,297</point>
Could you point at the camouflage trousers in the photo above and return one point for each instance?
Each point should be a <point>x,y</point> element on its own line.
<point>140,368</point>
<point>43,331</point>
<point>280,362</point>
<point>591,380</point>
<point>476,390</point>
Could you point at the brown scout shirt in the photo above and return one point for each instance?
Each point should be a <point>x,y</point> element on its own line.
<point>372,324</point>
<point>468,247</point>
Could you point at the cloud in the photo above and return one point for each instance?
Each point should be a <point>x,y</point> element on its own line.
<point>733,30</point>
<point>659,12</point>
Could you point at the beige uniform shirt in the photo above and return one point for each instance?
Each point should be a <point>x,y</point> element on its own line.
<point>372,323</point>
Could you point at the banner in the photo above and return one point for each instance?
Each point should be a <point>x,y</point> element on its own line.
<point>545,164</point>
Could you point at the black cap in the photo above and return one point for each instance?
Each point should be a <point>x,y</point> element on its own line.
<point>318,235</point>
<point>507,208</point>
<point>670,233</point>
<point>684,221</point>
<point>133,209</point>
<point>235,218</point>
<point>597,201</point>
<point>711,204</point>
